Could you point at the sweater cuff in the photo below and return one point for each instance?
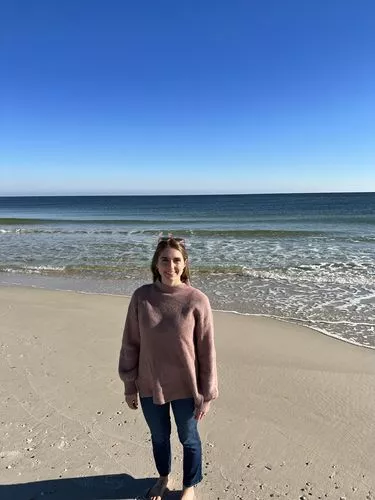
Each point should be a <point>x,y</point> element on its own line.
<point>130,388</point>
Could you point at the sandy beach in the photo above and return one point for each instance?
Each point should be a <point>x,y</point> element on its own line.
<point>294,419</point>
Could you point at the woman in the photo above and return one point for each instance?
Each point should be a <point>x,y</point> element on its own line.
<point>168,357</point>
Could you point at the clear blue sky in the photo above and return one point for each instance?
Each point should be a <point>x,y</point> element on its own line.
<point>206,96</point>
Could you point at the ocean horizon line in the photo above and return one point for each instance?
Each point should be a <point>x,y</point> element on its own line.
<point>179,194</point>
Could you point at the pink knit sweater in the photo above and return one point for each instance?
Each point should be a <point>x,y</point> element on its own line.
<point>168,349</point>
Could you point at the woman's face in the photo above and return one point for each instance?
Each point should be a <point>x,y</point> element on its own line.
<point>170,265</point>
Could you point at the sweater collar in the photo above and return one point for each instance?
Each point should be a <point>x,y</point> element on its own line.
<point>170,289</point>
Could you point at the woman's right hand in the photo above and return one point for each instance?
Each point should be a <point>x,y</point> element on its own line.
<point>132,401</point>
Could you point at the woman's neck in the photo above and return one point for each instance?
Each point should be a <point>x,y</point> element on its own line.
<point>170,288</point>
<point>172,283</point>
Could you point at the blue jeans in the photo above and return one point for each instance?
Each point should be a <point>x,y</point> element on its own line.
<point>159,422</point>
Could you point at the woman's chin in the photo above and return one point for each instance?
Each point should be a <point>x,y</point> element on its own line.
<point>171,281</point>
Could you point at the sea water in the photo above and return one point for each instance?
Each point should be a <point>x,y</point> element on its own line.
<point>303,258</point>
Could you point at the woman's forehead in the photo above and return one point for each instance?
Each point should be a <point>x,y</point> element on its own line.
<point>170,253</point>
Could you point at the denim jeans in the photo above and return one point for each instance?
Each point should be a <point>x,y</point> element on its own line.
<point>159,422</point>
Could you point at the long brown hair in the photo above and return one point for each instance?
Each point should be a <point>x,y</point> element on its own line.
<point>177,245</point>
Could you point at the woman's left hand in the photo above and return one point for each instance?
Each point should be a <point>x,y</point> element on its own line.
<point>202,410</point>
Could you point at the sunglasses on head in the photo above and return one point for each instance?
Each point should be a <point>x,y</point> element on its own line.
<point>170,237</point>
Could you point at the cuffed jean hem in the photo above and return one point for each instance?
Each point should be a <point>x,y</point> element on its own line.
<point>194,484</point>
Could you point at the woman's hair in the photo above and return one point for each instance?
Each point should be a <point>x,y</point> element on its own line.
<point>177,244</point>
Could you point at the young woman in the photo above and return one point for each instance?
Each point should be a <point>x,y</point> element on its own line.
<point>168,357</point>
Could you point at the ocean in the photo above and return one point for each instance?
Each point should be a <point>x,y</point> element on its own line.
<point>302,258</point>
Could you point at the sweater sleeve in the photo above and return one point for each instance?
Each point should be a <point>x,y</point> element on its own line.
<point>129,354</point>
<point>206,352</point>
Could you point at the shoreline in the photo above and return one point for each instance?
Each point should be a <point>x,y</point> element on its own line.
<point>296,321</point>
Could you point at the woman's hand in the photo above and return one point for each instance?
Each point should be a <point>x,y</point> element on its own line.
<point>202,410</point>
<point>132,401</point>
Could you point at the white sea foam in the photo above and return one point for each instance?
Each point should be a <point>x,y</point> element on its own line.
<point>41,269</point>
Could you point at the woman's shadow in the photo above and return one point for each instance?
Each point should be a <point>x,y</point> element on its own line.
<point>116,487</point>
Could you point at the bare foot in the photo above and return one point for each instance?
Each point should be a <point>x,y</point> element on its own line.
<point>158,490</point>
<point>188,493</point>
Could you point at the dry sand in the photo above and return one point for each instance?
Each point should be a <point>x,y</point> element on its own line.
<point>295,417</point>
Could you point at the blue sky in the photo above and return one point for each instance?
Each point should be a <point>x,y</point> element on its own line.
<point>187,97</point>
